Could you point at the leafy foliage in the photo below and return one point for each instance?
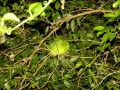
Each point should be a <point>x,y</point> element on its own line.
<point>59,45</point>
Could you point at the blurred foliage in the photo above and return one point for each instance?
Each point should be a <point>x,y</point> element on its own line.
<point>92,61</point>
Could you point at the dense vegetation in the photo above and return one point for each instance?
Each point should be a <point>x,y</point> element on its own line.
<point>59,45</point>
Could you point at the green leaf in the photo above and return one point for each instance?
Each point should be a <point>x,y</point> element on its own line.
<point>115,58</point>
<point>2,39</point>
<point>67,84</point>
<point>73,25</point>
<point>105,37</point>
<point>57,5</point>
<point>55,16</point>
<point>36,9</point>
<point>106,45</point>
<point>111,19</point>
<point>98,28</point>
<point>79,64</point>
<point>110,28</point>
<point>4,2</point>
<point>67,76</point>
<point>64,64</point>
<point>103,47</point>
<point>110,15</point>
<point>91,73</point>
<point>79,20</point>
<point>58,46</point>
<point>115,4</point>
<point>11,17</point>
<point>44,2</point>
<point>4,30</point>
<point>112,36</point>
<point>74,58</point>
<point>90,78</point>
<point>100,33</point>
<point>117,13</point>
<point>7,86</point>
<point>32,84</point>
<point>52,0</point>
<point>67,26</point>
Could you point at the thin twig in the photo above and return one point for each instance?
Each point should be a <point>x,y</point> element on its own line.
<point>41,65</point>
<point>105,78</point>
<point>83,70</point>
<point>51,75</point>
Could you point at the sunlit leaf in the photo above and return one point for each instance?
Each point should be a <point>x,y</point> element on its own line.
<point>7,86</point>
<point>115,4</point>
<point>105,37</point>
<point>44,2</point>
<point>110,15</point>
<point>74,58</point>
<point>112,36</point>
<point>2,30</point>
<point>67,84</point>
<point>58,46</point>
<point>62,4</point>
<point>67,76</point>
<point>2,39</point>
<point>79,64</point>
<point>11,17</point>
<point>117,13</point>
<point>52,0</point>
<point>36,9</point>
<point>33,84</point>
<point>98,28</point>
